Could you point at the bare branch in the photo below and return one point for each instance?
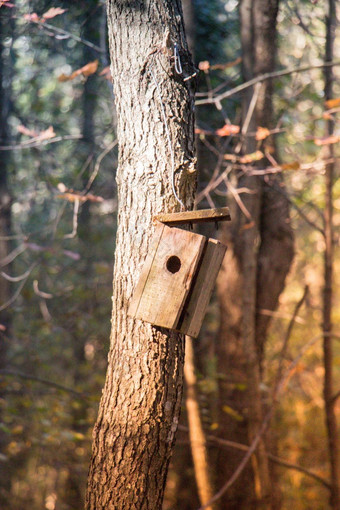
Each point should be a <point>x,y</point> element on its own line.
<point>264,77</point>
<point>69,35</point>
<point>98,162</point>
<point>335,397</point>
<point>35,142</point>
<point>287,337</point>
<point>252,448</point>
<point>16,293</point>
<point>75,221</point>
<point>273,458</point>
<point>21,375</point>
<point>13,255</point>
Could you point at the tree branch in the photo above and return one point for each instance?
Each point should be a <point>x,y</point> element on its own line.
<point>21,375</point>
<point>262,78</point>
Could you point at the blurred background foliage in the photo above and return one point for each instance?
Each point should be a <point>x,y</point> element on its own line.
<point>60,245</point>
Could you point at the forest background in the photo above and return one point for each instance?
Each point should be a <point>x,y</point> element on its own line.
<point>58,154</point>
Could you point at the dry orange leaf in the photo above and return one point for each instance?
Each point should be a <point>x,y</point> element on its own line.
<point>254,156</point>
<point>328,140</point>
<point>72,197</point>
<point>247,158</point>
<point>332,103</point>
<point>248,226</point>
<point>42,135</point>
<point>204,65</point>
<point>290,166</point>
<point>28,132</point>
<point>327,116</point>
<point>47,134</point>
<point>262,133</point>
<point>52,12</point>
<point>228,129</point>
<point>86,70</point>
<point>106,72</point>
<point>227,65</point>
<point>32,17</point>
<point>89,68</point>
<point>199,131</point>
<point>7,4</point>
<point>230,157</point>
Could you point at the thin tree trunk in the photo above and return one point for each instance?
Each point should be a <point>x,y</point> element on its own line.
<point>331,421</point>
<point>196,432</point>
<point>5,231</point>
<point>140,406</point>
<point>254,272</point>
<point>246,249</point>
<point>73,494</point>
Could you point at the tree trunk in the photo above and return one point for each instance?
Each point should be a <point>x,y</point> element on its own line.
<point>198,442</point>
<point>73,494</point>
<point>5,230</point>
<point>140,406</point>
<point>331,421</point>
<point>253,275</point>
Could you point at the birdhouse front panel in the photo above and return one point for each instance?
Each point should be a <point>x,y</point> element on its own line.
<point>177,280</point>
<point>167,275</point>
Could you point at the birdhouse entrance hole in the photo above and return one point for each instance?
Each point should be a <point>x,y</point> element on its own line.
<point>173,264</point>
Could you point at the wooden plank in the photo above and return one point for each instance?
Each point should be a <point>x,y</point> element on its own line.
<point>194,312</point>
<point>137,293</point>
<point>201,216</point>
<point>165,285</point>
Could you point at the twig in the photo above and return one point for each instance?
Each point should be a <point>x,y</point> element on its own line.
<point>287,337</point>
<point>335,397</point>
<point>21,375</point>
<point>13,254</point>
<point>279,388</point>
<point>280,315</point>
<point>75,220</point>
<point>29,144</point>
<point>19,289</point>
<point>273,458</point>
<point>97,165</point>
<point>16,278</point>
<point>69,35</point>
<point>264,77</point>
<point>295,206</point>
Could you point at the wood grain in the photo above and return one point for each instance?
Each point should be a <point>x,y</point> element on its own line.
<point>201,216</point>
<point>160,294</point>
<point>195,309</point>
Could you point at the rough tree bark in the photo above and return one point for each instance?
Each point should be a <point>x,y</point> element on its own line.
<point>253,275</point>
<point>331,420</point>
<point>139,409</point>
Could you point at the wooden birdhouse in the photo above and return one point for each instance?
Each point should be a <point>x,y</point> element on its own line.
<point>179,273</point>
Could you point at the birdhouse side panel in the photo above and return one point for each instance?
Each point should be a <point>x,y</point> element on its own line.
<point>193,314</point>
